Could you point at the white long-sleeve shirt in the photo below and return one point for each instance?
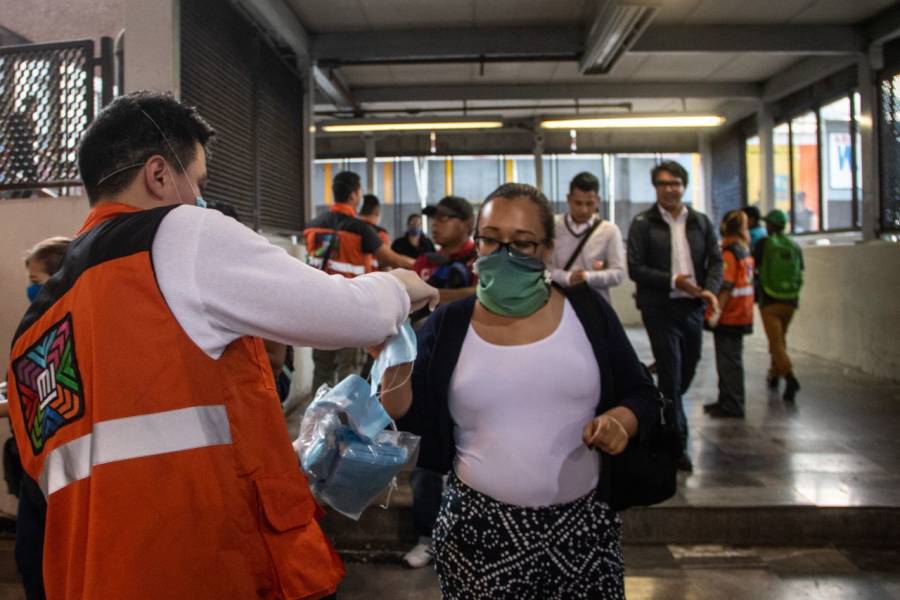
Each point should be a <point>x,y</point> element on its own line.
<point>681,249</point>
<point>605,244</point>
<point>223,281</point>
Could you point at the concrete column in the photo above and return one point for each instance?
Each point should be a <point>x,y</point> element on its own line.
<point>153,46</point>
<point>308,144</point>
<point>706,164</point>
<point>539,161</point>
<point>868,131</point>
<point>766,128</point>
<point>369,141</point>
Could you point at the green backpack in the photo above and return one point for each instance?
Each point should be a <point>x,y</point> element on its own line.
<point>781,272</point>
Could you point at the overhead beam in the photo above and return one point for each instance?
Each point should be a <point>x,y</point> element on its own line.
<point>781,39</point>
<point>622,90</point>
<point>803,74</point>
<point>423,45</point>
<point>884,26</point>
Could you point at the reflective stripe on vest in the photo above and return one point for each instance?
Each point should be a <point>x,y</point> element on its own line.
<point>135,437</point>
<point>742,291</point>
<point>338,266</point>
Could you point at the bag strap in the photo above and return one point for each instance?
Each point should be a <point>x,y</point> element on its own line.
<point>581,244</point>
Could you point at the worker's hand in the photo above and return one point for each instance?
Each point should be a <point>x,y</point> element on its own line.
<point>711,299</point>
<point>683,282</point>
<point>420,293</point>
<point>605,433</point>
<point>577,276</point>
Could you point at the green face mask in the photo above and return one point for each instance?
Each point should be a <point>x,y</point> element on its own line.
<point>511,285</point>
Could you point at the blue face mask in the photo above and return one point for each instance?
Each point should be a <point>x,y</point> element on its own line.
<point>399,350</point>
<point>414,232</point>
<point>199,201</point>
<point>33,290</point>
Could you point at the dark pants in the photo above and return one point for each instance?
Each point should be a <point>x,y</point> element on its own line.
<point>29,549</point>
<point>730,367</point>
<point>676,336</point>
<point>427,488</point>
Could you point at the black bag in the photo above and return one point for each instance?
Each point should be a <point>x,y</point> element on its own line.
<point>645,473</point>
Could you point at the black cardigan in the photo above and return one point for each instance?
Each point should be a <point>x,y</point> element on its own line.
<point>623,379</point>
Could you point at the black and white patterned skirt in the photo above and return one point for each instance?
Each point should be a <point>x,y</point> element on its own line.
<point>488,549</point>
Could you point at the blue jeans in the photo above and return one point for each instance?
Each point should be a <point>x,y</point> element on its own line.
<point>676,336</point>
<point>427,488</point>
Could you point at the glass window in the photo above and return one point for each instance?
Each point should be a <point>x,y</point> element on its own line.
<point>837,166</point>
<point>805,171</point>
<point>474,177</point>
<point>782,161</point>
<point>753,167</point>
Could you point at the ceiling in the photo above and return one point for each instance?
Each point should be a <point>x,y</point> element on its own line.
<point>415,57</point>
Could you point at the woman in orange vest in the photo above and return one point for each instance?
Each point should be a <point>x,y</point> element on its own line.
<point>141,395</point>
<point>736,317</point>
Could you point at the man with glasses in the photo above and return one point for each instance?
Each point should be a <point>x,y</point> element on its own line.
<point>450,270</point>
<point>675,261</point>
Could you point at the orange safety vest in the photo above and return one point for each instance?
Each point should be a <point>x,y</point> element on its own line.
<point>737,274</point>
<point>167,474</point>
<point>334,242</point>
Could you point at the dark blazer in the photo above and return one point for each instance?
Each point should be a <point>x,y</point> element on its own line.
<point>650,255</point>
<point>623,379</point>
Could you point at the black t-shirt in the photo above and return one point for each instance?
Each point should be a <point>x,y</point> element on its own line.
<point>403,246</point>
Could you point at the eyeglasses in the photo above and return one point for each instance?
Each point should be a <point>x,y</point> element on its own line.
<point>668,184</point>
<point>489,245</point>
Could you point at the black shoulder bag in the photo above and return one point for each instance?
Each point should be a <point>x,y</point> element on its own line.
<point>581,244</point>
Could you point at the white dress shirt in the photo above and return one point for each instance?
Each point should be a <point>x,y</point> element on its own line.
<point>605,245</point>
<point>681,250</point>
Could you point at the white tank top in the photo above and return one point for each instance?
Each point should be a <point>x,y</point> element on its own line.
<point>518,414</point>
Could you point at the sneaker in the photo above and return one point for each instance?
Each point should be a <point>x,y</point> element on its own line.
<point>420,555</point>
<point>772,382</point>
<point>791,389</point>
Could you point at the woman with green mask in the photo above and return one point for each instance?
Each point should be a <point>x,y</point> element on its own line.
<point>517,392</point>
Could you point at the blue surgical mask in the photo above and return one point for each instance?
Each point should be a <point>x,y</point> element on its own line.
<point>414,232</point>
<point>399,350</point>
<point>33,290</point>
<point>199,201</point>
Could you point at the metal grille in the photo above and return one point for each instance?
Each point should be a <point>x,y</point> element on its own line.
<point>890,153</point>
<point>254,102</point>
<point>46,101</point>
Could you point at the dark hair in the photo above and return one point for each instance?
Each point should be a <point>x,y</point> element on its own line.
<point>370,205</point>
<point>411,217</point>
<point>131,130</point>
<point>532,194</point>
<point>733,224</point>
<point>586,182</point>
<point>672,168</point>
<point>49,252</point>
<point>752,213</point>
<point>344,184</point>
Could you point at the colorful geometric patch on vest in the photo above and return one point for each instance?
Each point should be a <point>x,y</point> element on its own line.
<point>49,384</point>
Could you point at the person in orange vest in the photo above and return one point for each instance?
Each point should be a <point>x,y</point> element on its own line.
<point>734,319</point>
<point>339,242</point>
<point>140,392</point>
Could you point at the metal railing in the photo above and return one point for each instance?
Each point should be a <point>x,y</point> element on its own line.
<point>47,99</point>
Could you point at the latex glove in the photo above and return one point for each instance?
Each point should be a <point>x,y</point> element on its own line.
<point>420,293</point>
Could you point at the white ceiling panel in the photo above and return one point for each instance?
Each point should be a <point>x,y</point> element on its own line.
<point>680,67</point>
<point>370,75</point>
<point>674,12</point>
<point>530,12</point>
<point>842,11</point>
<point>322,16</point>
<point>424,74</point>
<point>743,12</point>
<point>753,67</point>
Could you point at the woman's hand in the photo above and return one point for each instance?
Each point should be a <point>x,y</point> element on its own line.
<point>606,433</point>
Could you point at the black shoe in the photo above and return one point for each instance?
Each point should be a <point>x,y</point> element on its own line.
<point>685,464</point>
<point>717,412</point>
<point>709,407</point>
<point>772,382</point>
<point>790,389</point>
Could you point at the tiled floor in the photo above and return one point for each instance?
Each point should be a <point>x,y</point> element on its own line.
<point>694,573</point>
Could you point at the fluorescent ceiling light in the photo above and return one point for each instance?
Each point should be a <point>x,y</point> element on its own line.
<point>634,122</point>
<point>380,126</point>
<point>618,26</point>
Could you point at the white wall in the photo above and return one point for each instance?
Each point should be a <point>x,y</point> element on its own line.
<point>849,307</point>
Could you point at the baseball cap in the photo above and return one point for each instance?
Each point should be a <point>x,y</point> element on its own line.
<point>450,206</point>
<point>777,218</point>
